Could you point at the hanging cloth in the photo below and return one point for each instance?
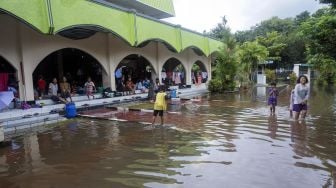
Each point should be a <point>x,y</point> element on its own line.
<point>3,81</point>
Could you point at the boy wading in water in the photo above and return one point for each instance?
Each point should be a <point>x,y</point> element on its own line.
<point>272,97</point>
<point>160,104</point>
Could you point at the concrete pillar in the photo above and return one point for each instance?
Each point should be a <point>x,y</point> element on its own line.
<point>107,77</point>
<point>2,134</point>
<point>188,68</point>
<point>59,62</point>
<point>157,64</point>
<point>28,80</point>
<point>296,69</point>
<point>20,67</point>
<point>210,59</point>
<point>26,67</point>
<point>112,65</point>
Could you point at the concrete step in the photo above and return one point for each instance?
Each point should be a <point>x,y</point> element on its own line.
<point>74,99</point>
<point>30,121</point>
<point>23,129</point>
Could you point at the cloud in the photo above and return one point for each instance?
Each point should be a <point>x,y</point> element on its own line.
<point>203,15</point>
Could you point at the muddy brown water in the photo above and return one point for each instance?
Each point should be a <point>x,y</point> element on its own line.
<point>223,141</point>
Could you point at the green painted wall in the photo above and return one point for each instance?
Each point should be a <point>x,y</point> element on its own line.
<point>195,40</point>
<point>53,16</point>
<point>85,13</point>
<point>34,12</point>
<point>149,29</point>
<point>163,5</point>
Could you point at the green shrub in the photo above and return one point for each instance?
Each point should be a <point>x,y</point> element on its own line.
<point>215,85</point>
<point>270,75</point>
<point>292,78</point>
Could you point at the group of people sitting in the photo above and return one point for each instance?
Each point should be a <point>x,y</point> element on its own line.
<point>128,87</point>
<point>63,91</point>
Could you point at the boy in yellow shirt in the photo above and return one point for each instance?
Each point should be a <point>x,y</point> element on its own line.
<point>160,104</point>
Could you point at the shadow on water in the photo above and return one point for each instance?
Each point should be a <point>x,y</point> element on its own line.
<point>220,140</point>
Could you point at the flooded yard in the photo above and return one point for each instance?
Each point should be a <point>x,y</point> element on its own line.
<point>221,141</point>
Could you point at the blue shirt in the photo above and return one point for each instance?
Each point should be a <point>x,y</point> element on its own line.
<point>118,73</point>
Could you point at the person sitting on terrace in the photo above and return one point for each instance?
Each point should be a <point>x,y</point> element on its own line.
<point>139,86</point>
<point>53,91</point>
<point>146,83</point>
<point>65,89</point>
<point>130,87</point>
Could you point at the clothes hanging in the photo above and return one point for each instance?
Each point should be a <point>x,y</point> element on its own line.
<point>3,81</point>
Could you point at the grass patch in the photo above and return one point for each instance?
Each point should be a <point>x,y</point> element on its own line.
<point>148,106</point>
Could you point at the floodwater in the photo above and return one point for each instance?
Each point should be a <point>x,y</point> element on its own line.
<point>223,141</point>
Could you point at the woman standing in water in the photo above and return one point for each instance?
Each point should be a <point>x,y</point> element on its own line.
<point>301,95</point>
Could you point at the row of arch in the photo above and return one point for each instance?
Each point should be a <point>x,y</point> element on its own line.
<point>133,29</point>
<point>77,65</point>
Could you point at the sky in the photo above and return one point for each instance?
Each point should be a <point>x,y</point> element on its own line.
<point>200,15</point>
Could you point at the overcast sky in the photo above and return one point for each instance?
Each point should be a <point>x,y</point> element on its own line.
<point>200,15</point>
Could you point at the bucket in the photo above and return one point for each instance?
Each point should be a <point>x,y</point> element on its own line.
<point>173,93</point>
<point>70,110</point>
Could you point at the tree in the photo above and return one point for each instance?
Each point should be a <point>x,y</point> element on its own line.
<point>295,50</point>
<point>302,17</point>
<point>273,43</point>
<point>326,66</point>
<point>225,67</point>
<point>250,54</point>
<point>319,32</point>
<point>221,31</point>
<point>331,2</point>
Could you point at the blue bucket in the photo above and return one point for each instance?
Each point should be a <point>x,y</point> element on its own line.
<point>70,110</point>
<point>173,93</point>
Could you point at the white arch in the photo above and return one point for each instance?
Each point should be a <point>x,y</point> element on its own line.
<point>9,62</point>
<point>128,53</point>
<point>52,50</point>
<point>115,68</point>
<point>203,64</point>
<point>175,57</point>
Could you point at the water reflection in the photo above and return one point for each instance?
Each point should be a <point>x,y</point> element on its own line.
<point>230,140</point>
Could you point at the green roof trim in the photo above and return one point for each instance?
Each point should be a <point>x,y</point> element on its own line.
<point>151,30</point>
<point>54,16</point>
<point>84,13</point>
<point>33,12</point>
<point>163,5</point>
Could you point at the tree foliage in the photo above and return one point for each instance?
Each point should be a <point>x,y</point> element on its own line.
<point>331,2</point>
<point>225,68</point>
<point>274,43</point>
<point>305,38</point>
<point>250,54</point>
<point>320,33</point>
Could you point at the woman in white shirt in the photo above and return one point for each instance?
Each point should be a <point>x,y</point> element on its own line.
<point>301,95</point>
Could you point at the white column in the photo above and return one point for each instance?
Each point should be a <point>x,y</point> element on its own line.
<point>2,133</point>
<point>107,73</point>
<point>209,68</point>
<point>26,66</point>
<point>188,67</point>
<point>111,64</point>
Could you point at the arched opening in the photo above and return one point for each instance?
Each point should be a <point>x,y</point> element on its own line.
<point>199,73</point>
<point>173,73</point>
<point>8,76</point>
<point>133,74</point>
<point>74,64</point>
<point>166,44</point>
